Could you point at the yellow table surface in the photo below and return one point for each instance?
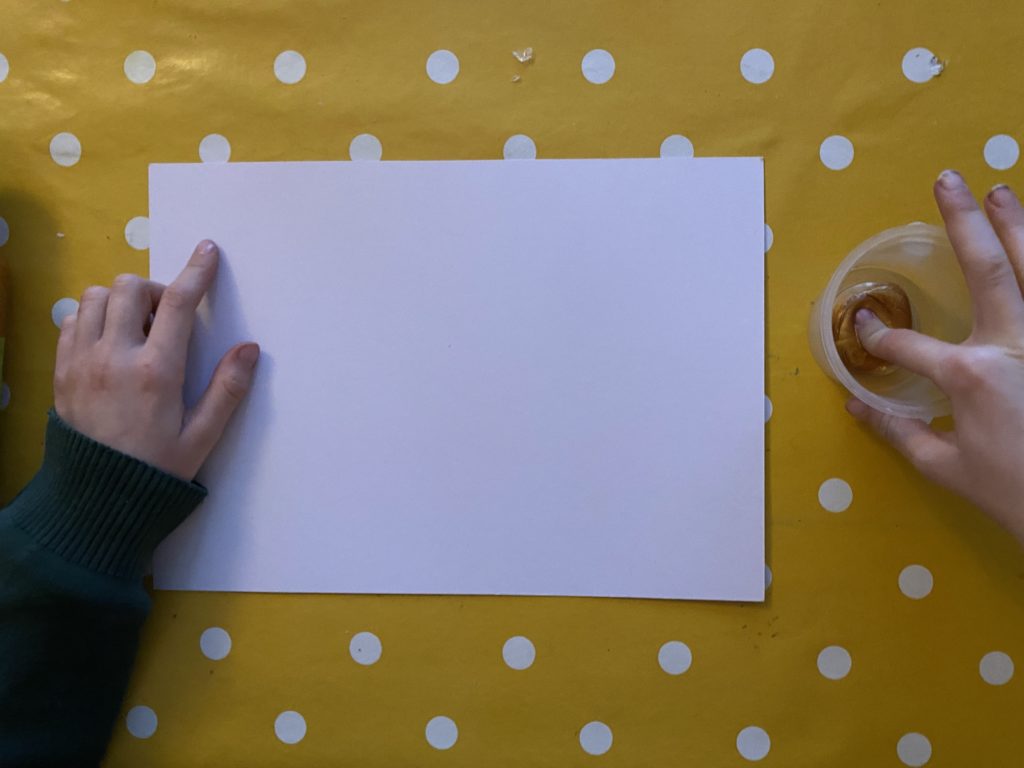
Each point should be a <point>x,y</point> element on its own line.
<point>915,662</point>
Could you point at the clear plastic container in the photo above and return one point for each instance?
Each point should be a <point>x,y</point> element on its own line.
<point>918,258</point>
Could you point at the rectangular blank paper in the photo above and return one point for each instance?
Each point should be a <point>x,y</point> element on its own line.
<point>494,377</point>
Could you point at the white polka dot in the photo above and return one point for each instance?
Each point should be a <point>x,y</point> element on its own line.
<point>1002,152</point>
<point>65,149</point>
<point>141,722</point>
<point>598,66</point>
<point>920,65</point>
<point>289,67</point>
<point>916,582</point>
<point>215,643</point>
<point>5,67</point>
<point>768,409</point>
<point>595,738</point>
<point>753,743</point>
<point>836,152</point>
<point>914,749</point>
<point>214,148</point>
<point>5,231</point>
<point>676,145</point>
<point>442,66</point>
<point>442,733</point>
<point>767,577</point>
<point>365,648</point>
<point>834,662</point>
<point>996,668</point>
<point>757,66</point>
<point>136,232</point>
<point>518,652</point>
<point>675,657</point>
<point>835,495</point>
<point>365,146</point>
<point>139,67</point>
<point>769,238</point>
<point>519,147</point>
<point>61,309</point>
<point>290,727</point>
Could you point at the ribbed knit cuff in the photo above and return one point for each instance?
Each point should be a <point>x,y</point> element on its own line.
<point>99,508</point>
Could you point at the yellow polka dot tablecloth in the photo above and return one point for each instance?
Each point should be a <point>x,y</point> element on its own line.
<point>894,613</point>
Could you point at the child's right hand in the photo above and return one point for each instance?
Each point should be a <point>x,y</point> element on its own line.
<point>120,383</point>
<point>983,459</point>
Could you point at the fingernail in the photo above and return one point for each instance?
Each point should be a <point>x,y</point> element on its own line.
<point>950,179</point>
<point>248,355</point>
<point>207,248</point>
<point>1001,194</point>
<point>856,408</point>
<point>864,316</point>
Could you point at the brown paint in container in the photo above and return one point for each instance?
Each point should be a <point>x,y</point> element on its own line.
<point>888,301</point>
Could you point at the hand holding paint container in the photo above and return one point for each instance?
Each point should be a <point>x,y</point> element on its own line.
<point>910,278</point>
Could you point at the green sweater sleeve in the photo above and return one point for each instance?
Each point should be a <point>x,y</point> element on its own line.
<point>73,547</point>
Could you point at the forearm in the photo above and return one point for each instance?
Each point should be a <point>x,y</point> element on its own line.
<point>67,641</point>
<point>72,549</point>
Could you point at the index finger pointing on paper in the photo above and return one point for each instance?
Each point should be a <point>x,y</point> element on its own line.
<point>175,315</point>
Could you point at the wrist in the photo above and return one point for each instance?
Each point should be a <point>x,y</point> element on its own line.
<point>99,508</point>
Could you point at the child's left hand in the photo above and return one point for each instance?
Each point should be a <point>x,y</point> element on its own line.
<point>123,387</point>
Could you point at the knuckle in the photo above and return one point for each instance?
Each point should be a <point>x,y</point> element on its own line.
<point>176,297</point>
<point>234,387</point>
<point>992,267</point>
<point>960,372</point>
<point>153,375</point>
<point>886,426</point>
<point>127,281</point>
<point>923,460</point>
<point>878,339</point>
<point>100,375</point>
<point>971,368</point>
<point>94,293</point>
<point>933,464</point>
<point>61,380</point>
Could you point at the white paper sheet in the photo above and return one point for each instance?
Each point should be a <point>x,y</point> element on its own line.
<point>509,377</point>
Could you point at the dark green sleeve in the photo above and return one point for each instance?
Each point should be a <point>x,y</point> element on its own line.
<point>73,546</point>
